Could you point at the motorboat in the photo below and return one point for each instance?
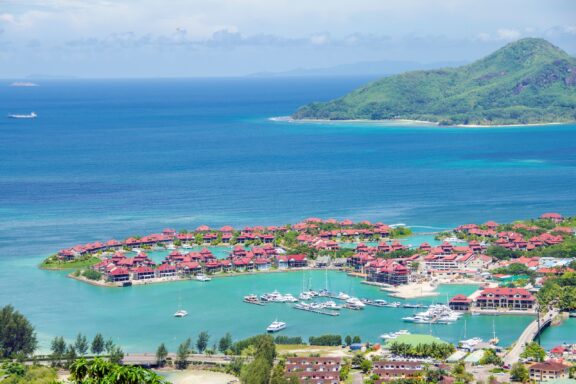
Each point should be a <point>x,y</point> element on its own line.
<point>202,277</point>
<point>276,326</point>
<point>181,313</point>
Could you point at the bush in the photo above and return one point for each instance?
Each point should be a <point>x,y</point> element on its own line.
<point>325,340</point>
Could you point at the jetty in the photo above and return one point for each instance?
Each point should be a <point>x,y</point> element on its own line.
<point>530,332</point>
<point>316,310</point>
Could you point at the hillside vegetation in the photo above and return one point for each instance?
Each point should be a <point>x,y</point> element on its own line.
<point>528,81</point>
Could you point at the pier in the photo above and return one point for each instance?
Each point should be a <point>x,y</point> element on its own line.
<point>529,334</point>
<point>316,310</point>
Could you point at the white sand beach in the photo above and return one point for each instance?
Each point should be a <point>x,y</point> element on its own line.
<point>412,290</point>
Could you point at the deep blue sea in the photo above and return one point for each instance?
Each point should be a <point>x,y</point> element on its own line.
<point>114,158</point>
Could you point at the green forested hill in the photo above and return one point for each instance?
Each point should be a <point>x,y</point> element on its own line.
<point>528,81</point>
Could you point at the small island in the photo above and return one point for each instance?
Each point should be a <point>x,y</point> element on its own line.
<point>529,81</point>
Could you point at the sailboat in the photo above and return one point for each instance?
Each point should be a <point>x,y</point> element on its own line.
<point>180,312</point>
<point>494,340</point>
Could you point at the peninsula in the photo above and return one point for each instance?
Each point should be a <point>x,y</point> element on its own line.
<point>529,81</point>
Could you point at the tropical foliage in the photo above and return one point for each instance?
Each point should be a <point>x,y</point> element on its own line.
<point>435,350</point>
<point>99,371</point>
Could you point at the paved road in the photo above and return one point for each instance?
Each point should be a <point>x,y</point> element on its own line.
<point>357,377</point>
<point>527,336</point>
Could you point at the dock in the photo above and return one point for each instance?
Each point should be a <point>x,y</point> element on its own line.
<point>319,311</point>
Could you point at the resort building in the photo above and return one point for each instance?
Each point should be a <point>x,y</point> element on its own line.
<point>396,370</point>
<point>460,303</point>
<point>555,217</point>
<point>314,370</point>
<point>292,261</point>
<point>548,370</point>
<point>387,271</point>
<point>510,298</point>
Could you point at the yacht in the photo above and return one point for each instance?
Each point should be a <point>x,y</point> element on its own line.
<point>186,246</point>
<point>343,296</point>
<point>393,335</point>
<point>31,115</point>
<point>355,302</point>
<point>379,302</point>
<point>331,305</point>
<point>305,296</point>
<point>289,298</point>
<point>202,277</point>
<point>276,326</point>
<point>392,305</point>
<point>180,313</point>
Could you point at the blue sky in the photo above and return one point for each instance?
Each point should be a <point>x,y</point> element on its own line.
<point>181,38</point>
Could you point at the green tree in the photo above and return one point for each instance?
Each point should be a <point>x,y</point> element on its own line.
<point>348,340</point>
<point>257,372</point>
<point>81,344</point>
<point>70,354</point>
<point>356,340</point>
<point>17,335</point>
<point>533,351</point>
<point>278,373</point>
<point>460,374</point>
<point>58,348</point>
<point>109,346</point>
<point>366,366</point>
<point>519,373</point>
<point>225,343</point>
<point>182,354</point>
<point>490,357</point>
<point>161,354</point>
<point>202,341</point>
<point>357,360</point>
<point>98,344</point>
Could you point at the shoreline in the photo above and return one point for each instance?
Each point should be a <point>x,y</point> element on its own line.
<point>408,122</point>
<point>162,280</point>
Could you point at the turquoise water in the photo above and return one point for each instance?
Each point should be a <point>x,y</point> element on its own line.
<point>110,159</point>
<point>139,318</point>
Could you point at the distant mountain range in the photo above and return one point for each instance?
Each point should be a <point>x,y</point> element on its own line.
<point>527,81</point>
<point>363,68</point>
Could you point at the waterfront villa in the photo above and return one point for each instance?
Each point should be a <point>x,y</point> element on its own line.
<point>548,370</point>
<point>460,303</point>
<point>510,298</point>
<point>387,271</point>
<point>314,370</point>
<point>555,217</point>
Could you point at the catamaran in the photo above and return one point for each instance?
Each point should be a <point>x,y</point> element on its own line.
<point>181,313</point>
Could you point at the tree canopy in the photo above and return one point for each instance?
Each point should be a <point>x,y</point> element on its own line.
<point>17,335</point>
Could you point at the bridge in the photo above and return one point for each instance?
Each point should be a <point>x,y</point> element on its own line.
<point>529,334</point>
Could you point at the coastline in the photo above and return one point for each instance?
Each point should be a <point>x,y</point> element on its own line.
<point>407,122</point>
<point>162,280</point>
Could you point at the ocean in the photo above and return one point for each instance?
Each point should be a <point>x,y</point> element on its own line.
<point>115,158</point>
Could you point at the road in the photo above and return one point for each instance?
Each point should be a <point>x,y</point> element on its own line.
<point>527,336</point>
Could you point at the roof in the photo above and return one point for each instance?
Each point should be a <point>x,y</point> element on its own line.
<point>549,366</point>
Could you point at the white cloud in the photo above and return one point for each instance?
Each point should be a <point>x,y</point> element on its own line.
<point>508,34</point>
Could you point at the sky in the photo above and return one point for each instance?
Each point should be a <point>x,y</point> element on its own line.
<point>197,38</point>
